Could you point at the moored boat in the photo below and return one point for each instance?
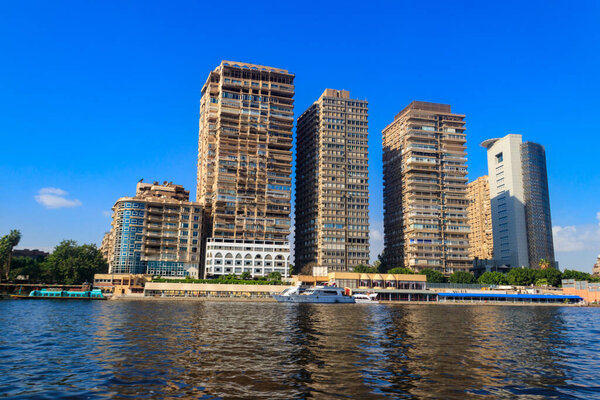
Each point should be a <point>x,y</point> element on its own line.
<point>364,298</point>
<point>318,294</point>
<point>57,294</point>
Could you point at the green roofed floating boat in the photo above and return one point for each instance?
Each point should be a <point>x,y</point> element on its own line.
<point>94,294</point>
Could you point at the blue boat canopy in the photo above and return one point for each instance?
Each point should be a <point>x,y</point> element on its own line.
<point>511,296</point>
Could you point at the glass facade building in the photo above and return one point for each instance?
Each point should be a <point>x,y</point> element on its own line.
<point>537,203</point>
<point>157,232</point>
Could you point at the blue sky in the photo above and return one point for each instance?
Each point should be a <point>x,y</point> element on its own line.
<point>95,96</point>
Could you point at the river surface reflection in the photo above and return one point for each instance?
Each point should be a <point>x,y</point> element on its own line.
<point>188,349</point>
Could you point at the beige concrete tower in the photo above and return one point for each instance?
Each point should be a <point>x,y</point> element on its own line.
<point>481,243</point>
<point>245,165</point>
<point>332,185</point>
<point>425,203</point>
<point>244,151</point>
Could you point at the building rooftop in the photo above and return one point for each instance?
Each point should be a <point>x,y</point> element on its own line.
<point>255,67</point>
<point>342,94</point>
<point>168,190</point>
<point>425,106</point>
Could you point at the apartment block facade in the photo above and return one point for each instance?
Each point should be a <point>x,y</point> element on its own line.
<point>425,189</point>
<point>522,227</point>
<point>332,184</point>
<point>479,211</point>
<point>156,232</point>
<point>244,155</point>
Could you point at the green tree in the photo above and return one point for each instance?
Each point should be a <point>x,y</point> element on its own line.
<point>433,276</point>
<point>577,275</point>
<point>26,266</point>
<point>462,277</point>
<point>493,278</point>
<point>365,269</point>
<point>7,243</point>
<point>399,271</point>
<point>307,269</point>
<point>383,265</point>
<point>521,276</point>
<point>541,282</point>
<point>274,276</point>
<point>246,275</point>
<point>377,266</point>
<point>71,264</point>
<point>552,276</point>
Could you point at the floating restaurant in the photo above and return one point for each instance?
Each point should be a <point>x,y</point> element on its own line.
<point>516,298</point>
<point>389,287</point>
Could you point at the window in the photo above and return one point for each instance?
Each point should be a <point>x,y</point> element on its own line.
<point>499,158</point>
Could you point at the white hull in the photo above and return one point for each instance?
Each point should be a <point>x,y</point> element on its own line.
<point>298,298</point>
<point>362,298</point>
<point>361,301</point>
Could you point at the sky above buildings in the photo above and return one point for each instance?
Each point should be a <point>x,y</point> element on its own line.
<point>95,96</point>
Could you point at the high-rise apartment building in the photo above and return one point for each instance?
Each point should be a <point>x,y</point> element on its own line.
<point>481,243</point>
<point>425,184</point>
<point>332,184</point>
<point>156,232</point>
<point>245,158</point>
<point>521,223</point>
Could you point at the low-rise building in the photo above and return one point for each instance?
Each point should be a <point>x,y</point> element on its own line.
<point>121,284</point>
<point>236,256</point>
<point>389,287</point>
<point>589,291</point>
<point>201,290</point>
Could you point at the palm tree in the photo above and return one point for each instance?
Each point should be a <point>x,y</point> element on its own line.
<point>7,243</point>
<point>544,263</point>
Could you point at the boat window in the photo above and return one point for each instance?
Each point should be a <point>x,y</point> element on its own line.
<point>330,292</point>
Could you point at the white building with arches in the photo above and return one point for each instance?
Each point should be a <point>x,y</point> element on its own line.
<point>236,256</point>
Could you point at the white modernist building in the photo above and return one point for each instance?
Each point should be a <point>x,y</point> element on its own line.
<point>236,256</point>
<point>508,200</point>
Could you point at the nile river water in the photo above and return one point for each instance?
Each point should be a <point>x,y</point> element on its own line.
<point>193,349</point>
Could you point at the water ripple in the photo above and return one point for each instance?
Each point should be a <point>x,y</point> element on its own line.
<point>215,350</point>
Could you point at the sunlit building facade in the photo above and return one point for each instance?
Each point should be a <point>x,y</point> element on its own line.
<point>245,157</point>
<point>481,241</point>
<point>521,222</point>
<point>156,232</point>
<point>425,189</point>
<point>332,184</point>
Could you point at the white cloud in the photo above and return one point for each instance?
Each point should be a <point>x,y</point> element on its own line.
<point>376,239</point>
<point>577,238</point>
<point>376,235</point>
<point>55,198</point>
<point>107,214</point>
<point>51,190</point>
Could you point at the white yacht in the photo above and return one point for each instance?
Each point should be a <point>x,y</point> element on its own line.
<point>318,294</point>
<point>364,298</point>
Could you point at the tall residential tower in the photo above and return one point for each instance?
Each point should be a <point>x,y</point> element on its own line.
<point>332,185</point>
<point>424,195</point>
<point>481,243</point>
<point>244,167</point>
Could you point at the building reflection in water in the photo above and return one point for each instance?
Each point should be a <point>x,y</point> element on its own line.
<point>270,350</point>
